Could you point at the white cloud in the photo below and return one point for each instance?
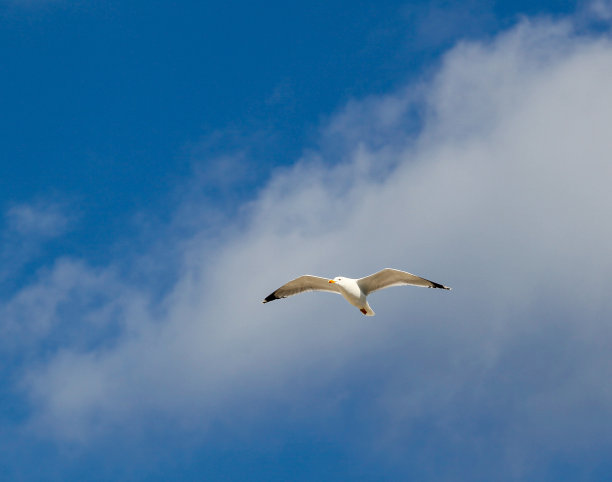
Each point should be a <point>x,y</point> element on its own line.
<point>601,9</point>
<point>503,195</point>
<point>44,219</point>
<point>27,228</point>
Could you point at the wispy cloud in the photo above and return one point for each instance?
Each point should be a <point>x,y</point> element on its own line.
<point>27,228</point>
<point>503,194</point>
<point>601,9</point>
<point>44,219</point>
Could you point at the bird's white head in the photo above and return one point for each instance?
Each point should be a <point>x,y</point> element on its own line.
<point>337,279</point>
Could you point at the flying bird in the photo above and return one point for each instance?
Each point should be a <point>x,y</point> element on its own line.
<point>354,290</point>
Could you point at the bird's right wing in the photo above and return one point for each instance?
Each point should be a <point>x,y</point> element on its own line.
<point>302,284</point>
<point>394,277</point>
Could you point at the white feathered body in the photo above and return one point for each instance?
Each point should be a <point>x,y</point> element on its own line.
<point>353,294</point>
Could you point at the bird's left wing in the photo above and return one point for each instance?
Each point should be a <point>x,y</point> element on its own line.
<point>394,277</point>
<point>302,284</point>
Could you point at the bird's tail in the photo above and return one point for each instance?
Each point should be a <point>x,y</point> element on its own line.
<point>367,310</point>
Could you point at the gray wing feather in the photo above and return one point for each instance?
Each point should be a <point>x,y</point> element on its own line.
<point>394,277</point>
<point>301,285</point>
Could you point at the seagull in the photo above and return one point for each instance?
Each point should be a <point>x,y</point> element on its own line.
<point>355,291</point>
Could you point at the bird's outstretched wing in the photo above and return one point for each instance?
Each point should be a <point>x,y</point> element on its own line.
<point>394,277</point>
<point>302,284</point>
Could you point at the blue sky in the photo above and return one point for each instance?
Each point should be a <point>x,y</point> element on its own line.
<point>165,167</point>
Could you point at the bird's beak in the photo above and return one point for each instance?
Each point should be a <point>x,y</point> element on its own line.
<point>331,281</point>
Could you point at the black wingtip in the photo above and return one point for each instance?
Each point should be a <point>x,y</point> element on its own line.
<point>438,285</point>
<point>270,297</point>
